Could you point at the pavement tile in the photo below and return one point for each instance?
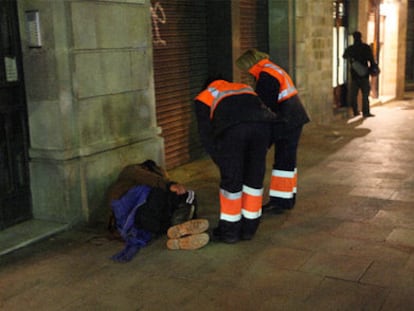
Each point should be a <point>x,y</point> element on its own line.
<point>362,231</point>
<point>385,183</point>
<point>399,299</point>
<point>353,209</point>
<point>299,238</point>
<point>181,263</point>
<point>275,281</point>
<point>374,182</point>
<point>103,302</point>
<point>159,292</point>
<point>402,237</point>
<point>375,252</point>
<point>392,173</point>
<point>383,193</point>
<point>282,303</point>
<point>388,276</point>
<point>340,295</point>
<point>336,266</point>
<point>313,235</point>
<point>403,195</point>
<point>410,264</point>
<point>308,222</point>
<point>234,298</point>
<point>281,258</point>
<point>338,245</point>
<point>397,205</point>
<point>395,217</point>
<point>42,297</point>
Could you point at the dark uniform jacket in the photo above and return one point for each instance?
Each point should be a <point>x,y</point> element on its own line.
<point>291,111</point>
<point>230,111</point>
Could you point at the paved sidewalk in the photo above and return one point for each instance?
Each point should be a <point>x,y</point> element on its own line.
<point>347,245</point>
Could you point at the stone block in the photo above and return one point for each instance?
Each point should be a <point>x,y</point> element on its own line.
<point>57,191</point>
<point>98,74</point>
<point>45,121</point>
<point>109,25</point>
<point>43,71</point>
<point>114,119</point>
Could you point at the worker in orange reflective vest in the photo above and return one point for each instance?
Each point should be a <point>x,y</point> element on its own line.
<point>276,89</point>
<point>234,128</point>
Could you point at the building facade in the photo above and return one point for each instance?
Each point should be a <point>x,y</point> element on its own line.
<point>106,83</point>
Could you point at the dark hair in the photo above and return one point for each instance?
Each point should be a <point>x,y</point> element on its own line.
<point>357,36</point>
<point>150,165</point>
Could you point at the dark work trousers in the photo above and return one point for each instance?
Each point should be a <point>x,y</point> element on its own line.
<point>241,155</point>
<point>365,87</point>
<point>285,155</point>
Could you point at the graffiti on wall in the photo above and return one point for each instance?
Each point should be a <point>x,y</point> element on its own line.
<point>158,17</point>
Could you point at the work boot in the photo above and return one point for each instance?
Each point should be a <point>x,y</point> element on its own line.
<point>193,226</point>
<point>249,228</point>
<point>189,242</point>
<point>227,232</point>
<point>278,206</point>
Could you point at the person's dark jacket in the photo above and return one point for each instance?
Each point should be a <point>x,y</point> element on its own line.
<point>291,111</point>
<point>231,110</point>
<point>362,53</point>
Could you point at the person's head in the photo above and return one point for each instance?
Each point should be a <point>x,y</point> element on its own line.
<point>357,36</point>
<point>250,58</point>
<point>150,165</point>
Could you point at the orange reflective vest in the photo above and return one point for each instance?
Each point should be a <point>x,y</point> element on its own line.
<point>220,89</point>
<point>287,88</point>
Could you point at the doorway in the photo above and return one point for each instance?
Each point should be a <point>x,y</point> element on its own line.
<point>15,198</point>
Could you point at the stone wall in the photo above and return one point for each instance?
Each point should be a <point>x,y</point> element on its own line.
<point>90,101</point>
<point>314,57</point>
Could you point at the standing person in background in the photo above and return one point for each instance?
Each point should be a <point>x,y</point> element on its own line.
<point>234,128</point>
<point>360,54</point>
<point>276,89</point>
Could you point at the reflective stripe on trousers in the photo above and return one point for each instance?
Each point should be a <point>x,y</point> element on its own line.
<point>252,202</point>
<point>246,203</point>
<point>283,184</point>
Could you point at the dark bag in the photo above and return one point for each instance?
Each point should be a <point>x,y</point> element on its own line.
<point>360,69</point>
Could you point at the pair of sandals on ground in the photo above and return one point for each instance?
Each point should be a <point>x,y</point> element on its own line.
<point>189,235</point>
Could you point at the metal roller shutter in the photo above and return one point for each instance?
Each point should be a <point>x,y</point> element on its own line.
<point>180,68</point>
